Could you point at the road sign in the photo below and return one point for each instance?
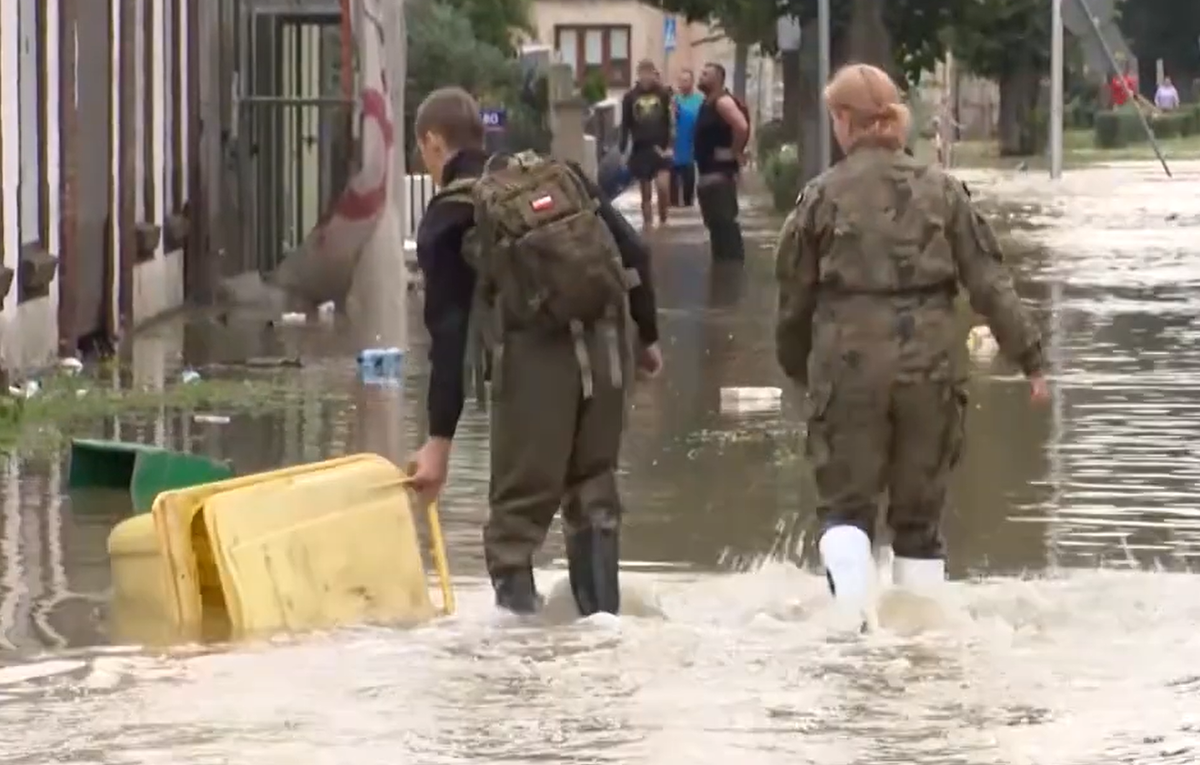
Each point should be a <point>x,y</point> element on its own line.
<point>669,33</point>
<point>787,33</point>
<point>494,118</point>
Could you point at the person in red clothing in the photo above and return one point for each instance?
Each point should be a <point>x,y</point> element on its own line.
<point>1123,86</point>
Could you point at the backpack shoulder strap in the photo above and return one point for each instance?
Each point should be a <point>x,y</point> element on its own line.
<point>458,190</point>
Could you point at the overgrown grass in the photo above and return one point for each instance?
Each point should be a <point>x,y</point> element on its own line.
<point>1079,150</point>
<point>67,406</point>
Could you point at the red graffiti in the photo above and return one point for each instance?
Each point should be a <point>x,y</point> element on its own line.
<point>357,205</point>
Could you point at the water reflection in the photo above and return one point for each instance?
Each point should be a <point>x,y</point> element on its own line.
<point>1123,283</point>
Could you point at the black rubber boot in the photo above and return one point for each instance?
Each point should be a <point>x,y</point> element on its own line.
<point>593,565</point>
<point>516,591</point>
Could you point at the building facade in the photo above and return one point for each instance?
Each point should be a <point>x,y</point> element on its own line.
<point>99,115</point>
<point>612,36</point>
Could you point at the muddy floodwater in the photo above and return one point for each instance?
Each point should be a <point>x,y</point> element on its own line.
<point>1067,638</point>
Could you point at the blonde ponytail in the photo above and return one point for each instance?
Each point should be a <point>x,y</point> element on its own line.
<point>870,101</point>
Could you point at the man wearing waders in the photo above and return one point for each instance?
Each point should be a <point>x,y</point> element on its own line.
<point>869,265</point>
<point>530,274</point>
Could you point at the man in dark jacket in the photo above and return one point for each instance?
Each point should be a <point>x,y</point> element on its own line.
<point>648,131</point>
<point>553,443</point>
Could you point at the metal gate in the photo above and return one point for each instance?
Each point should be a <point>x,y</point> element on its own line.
<point>293,126</point>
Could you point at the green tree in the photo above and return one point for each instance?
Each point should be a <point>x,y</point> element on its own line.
<point>444,50</point>
<point>495,21</point>
<point>1167,30</point>
<point>744,22</point>
<point>1008,41</point>
<point>915,26</point>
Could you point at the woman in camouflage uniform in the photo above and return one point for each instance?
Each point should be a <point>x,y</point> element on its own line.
<point>869,264</point>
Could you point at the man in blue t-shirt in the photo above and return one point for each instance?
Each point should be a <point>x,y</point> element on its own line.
<point>686,105</point>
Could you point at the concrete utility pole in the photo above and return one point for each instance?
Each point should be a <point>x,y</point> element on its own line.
<point>823,80</point>
<point>1056,89</point>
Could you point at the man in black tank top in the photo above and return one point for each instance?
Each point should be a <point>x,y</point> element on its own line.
<point>722,130</point>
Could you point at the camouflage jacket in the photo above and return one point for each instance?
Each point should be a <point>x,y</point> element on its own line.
<point>869,263</point>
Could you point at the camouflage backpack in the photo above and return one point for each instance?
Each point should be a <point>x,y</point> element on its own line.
<point>542,255</point>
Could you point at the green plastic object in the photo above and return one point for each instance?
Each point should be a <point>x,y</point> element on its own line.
<point>143,470</point>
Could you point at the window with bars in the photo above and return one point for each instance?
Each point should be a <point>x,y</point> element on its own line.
<point>592,48</point>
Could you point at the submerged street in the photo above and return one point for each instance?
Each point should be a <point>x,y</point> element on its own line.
<point>1067,637</point>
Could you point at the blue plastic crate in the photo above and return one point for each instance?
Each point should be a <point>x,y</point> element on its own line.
<point>380,365</point>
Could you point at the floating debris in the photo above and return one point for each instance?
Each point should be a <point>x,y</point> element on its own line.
<point>211,419</point>
<point>272,362</point>
<point>751,400</point>
<point>378,365</point>
<point>27,389</point>
<point>981,344</point>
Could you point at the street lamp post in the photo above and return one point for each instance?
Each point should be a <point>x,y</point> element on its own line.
<point>1056,89</point>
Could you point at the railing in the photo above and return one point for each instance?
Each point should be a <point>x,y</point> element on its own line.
<point>419,191</point>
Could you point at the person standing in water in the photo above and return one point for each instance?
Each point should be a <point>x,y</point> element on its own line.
<point>560,384</point>
<point>648,132</point>
<point>869,264</point>
<point>722,130</point>
<point>683,172</point>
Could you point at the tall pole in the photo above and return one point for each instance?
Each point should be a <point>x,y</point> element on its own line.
<point>1056,89</point>
<point>823,80</point>
<point>1129,94</point>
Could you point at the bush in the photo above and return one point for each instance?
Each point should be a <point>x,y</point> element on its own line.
<point>527,130</point>
<point>768,140</point>
<point>595,87</point>
<point>1108,130</point>
<point>781,173</point>
<point>1187,122</point>
<point>1117,128</point>
<point>1035,133</point>
<point>1081,114</point>
<point>1168,125</point>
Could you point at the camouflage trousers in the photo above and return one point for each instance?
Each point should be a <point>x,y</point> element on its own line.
<point>552,447</point>
<point>869,437</point>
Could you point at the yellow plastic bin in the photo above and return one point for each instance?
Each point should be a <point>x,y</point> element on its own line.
<point>302,548</point>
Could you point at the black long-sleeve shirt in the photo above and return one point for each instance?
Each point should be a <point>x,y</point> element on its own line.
<point>450,288</point>
<point>647,117</point>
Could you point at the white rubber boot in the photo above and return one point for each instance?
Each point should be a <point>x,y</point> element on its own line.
<point>919,575</point>
<point>846,555</point>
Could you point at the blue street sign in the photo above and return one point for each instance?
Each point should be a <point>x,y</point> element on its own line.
<point>669,33</point>
<point>494,118</point>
